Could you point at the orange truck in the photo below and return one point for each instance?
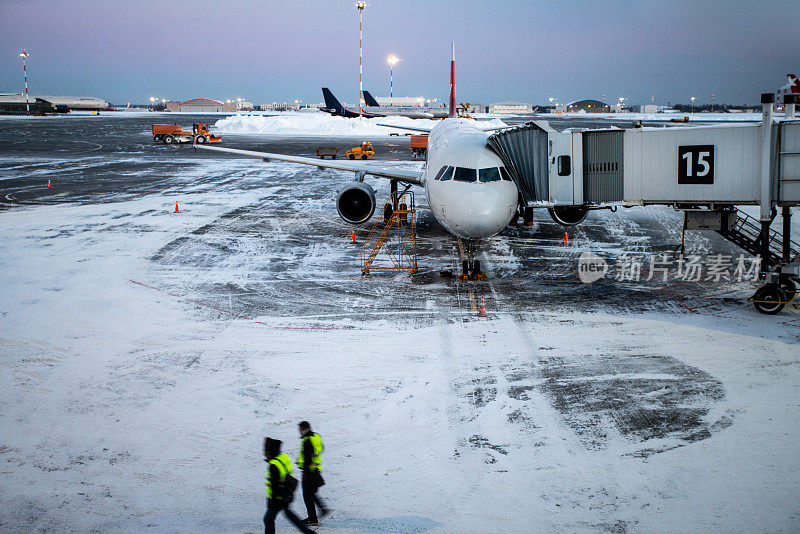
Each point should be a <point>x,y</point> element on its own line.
<point>172,133</point>
<point>419,145</point>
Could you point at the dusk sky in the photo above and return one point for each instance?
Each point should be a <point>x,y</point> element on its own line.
<point>505,50</point>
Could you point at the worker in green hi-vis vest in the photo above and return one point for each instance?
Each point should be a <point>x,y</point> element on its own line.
<point>279,467</point>
<point>310,461</point>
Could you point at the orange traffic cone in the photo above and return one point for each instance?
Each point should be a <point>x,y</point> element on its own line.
<point>353,237</point>
<point>48,183</point>
<point>566,239</point>
<point>176,207</point>
<point>482,309</point>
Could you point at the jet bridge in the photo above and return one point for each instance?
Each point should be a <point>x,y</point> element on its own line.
<point>704,170</point>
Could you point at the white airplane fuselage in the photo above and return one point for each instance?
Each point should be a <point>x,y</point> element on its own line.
<point>468,209</point>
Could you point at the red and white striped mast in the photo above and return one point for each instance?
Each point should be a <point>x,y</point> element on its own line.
<point>360,5</point>
<point>24,54</point>
<point>391,60</point>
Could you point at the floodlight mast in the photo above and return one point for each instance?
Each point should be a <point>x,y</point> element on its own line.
<point>360,5</point>
<point>391,60</point>
<point>24,54</point>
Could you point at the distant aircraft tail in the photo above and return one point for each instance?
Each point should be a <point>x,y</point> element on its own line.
<point>792,87</point>
<point>331,102</point>
<point>370,101</point>
<point>453,111</point>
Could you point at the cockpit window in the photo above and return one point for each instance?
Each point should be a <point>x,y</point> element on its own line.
<point>441,172</point>
<point>448,173</point>
<point>504,173</point>
<point>464,175</point>
<point>489,175</point>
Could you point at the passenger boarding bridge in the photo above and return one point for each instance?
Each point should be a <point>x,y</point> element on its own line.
<point>705,171</point>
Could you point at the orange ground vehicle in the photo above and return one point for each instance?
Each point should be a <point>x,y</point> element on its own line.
<point>419,145</point>
<point>172,133</point>
<point>363,151</point>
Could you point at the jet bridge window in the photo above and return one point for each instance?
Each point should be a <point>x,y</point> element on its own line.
<point>447,174</point>
<point>564,165</point>
<point>490,174</point>
<point>464,174</point>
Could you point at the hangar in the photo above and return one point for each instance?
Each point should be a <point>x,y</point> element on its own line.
<point>588,106</point>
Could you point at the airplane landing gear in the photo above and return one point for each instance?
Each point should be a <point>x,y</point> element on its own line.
<point>470,267</point>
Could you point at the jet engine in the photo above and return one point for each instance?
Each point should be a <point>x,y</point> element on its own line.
<point>568,215</point>
<point>356,203</point>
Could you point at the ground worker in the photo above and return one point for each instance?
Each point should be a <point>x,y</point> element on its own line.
<point>310,461</point>
<point>279,466</point>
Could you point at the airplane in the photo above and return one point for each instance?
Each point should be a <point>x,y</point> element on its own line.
<point>373,109</point>
<point>792,87</point>
<point>334,107</point>
<point>470,192</point>
<point>414,112</point>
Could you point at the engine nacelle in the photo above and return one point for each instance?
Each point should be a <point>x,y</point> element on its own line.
<point>356,203</point>
<point>568,215</point>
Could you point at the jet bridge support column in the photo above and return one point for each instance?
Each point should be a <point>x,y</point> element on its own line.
<point>789,102</point>
<point>767,99</point>
<point>787,229</point>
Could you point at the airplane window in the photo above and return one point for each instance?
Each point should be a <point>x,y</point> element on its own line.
<point>448,174</point>
<point>489,175</point>
<point>441,172</point>
<point>464,174</point>
<point>504,173</point>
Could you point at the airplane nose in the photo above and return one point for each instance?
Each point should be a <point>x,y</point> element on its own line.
<point>484,213</point>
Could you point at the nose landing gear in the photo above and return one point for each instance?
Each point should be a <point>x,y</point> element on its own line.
<point>470,267</point>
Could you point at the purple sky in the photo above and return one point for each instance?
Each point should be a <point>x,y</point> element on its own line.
<point>506,50</point>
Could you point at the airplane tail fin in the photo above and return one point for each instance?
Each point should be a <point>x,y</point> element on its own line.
<point>453,111</point>
<point>331,102</point>
<point>370,101</point>
<point>794,83</point>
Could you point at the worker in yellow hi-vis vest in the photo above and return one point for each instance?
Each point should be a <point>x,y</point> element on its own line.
<point>310,461</point>
<point>280,491</point>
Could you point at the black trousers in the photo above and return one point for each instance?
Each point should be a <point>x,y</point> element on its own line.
<point>272,513</point>
<point>311,483</point>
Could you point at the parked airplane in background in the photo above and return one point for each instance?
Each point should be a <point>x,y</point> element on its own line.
<point>334,107</point>
<point>469,190</point>
<point>414,112</point>
<point>372,109</point>
<point>792,87</point>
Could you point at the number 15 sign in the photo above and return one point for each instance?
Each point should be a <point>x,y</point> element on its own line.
<point>696,164</point>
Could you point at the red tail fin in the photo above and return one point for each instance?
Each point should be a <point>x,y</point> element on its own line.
<point>453,112</point>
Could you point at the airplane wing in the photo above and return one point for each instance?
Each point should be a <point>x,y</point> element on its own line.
<point>411,177</point>
<point>410,128</point>
<point>428,130</point>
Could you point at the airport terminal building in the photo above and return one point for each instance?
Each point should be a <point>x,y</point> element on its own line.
<point>202,105</point>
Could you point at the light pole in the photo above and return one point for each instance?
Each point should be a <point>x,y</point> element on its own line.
<point>360,5</point>
<point>392,60</point>
<point>152,103</point>
<point>24,54</point>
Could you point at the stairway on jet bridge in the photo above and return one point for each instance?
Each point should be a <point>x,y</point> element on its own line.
<point>746,234</point>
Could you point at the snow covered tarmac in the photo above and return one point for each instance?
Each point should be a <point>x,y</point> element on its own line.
<point>145,355</point>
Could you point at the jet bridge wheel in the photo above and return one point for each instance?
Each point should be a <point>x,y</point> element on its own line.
<point>769,299</point>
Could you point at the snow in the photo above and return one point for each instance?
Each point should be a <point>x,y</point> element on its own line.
<point>137,379</point>
<point>292,123</point>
